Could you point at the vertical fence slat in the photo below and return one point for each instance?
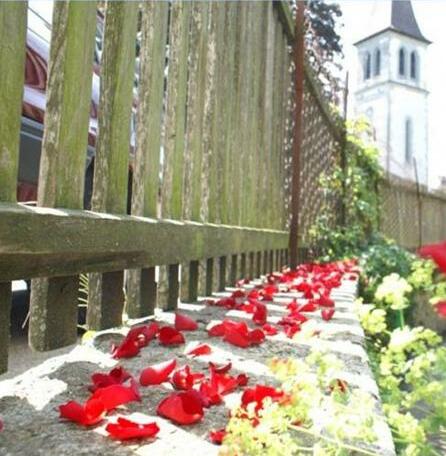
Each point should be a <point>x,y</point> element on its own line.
<point>53,306</point>
<point>194,146</point>
<point>174,135</point>
<point>106,296</point>
<point>141,284</point>
<point>12,50</point>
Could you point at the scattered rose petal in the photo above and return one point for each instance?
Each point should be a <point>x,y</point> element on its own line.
<point>217,436</point>
<point>184,379</point>
<point>221,369</point>
<point>199,350</point>
<point>157,373</point>
<point>170,336</point>
<point>440,307</point>
<point>125,429</point>
<point>327,314</point>
<point>269,330</point>
<point>182,408</point>
<point>185,323</point>
<point>116,376</point>
<point>86,415</point>
<point>115,395</point>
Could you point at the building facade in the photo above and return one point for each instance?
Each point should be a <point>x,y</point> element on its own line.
<point>392,91</point>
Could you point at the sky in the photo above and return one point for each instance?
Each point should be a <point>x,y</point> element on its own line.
<point>431,16</point>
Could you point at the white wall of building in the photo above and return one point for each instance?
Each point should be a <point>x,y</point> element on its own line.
<point>389,100</point>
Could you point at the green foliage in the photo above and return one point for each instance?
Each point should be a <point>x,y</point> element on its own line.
<point>409,365</point>
<point>292,427</point>
<point>354,187</point>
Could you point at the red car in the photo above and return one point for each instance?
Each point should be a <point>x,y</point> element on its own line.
<point>34,99</point>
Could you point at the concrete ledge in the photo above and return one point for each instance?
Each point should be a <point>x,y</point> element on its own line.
<point>28,402</point>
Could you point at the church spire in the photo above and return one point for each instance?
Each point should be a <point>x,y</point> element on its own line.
<point>403,20</point>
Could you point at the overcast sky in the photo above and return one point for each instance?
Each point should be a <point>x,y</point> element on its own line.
<point>431,16</point>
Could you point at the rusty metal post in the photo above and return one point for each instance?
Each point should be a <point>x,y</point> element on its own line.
<point>298,51</point>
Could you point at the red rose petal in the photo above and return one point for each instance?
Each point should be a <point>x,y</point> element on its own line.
<point>116,376</point>
<point>170,336</point>
<point>185,323</point>
<point>217,436</point>
<point>199,350</point>
<point>116,395</point>
<point>157,373</point>
<point>242,379</point>
<point>260,314</point>
<point>269,330</point>
<point>440,307</point>
<point>182,408</point>
<point>221,369</point>
<point>87,415</point>
<point>217,330</point>
<point>437,252</point>
<point>256,336</point>
<point>125,429</point>
<point>327,314</point>
<point>235,337</point>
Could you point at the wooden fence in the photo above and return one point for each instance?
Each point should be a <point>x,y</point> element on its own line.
<point>210,166</point>
<point>403,202</point>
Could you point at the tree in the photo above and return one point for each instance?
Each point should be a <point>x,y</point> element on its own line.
<point>323,45</point>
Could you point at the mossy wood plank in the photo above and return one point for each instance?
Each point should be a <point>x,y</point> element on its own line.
<point>286,18</point>
<point>12,51</point>
<point>217,125</point>
<point>101,242</point>
<point>193,144</point>
<point>175,118</point>
<point>267,128</point>
<point>12,56</point>
<point>174,136</point>
<point>244,43</point>
<point>53,302</point>
<point>105,296</point>
<point>141,285</point>
<point>236,130</point>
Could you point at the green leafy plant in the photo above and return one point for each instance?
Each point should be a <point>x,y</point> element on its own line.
<point>322,415</point>
<point>353,185</point>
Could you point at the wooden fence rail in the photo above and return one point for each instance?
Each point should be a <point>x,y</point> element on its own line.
<point>207,159</point>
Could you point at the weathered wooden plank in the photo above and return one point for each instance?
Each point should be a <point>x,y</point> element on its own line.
<point>265,262</point>
<point>286,18</point>
<point>53,304</point>
<point>209,276</point>
<point>267,183</point>
<point>217,129</point>
<point>12,51</point>
<point>242,274</point>
<point>12,56</point>
<point>105,295</point>
<point>141,294</point>
<point>174,135</point>
<point>101,242</point>
<point>258,264</point>
<point>228,109</point>
<point>193,278</point>
<point>222,273</point>
<point>193,146</point>
<point>236,131</point>
<point>233,270</point>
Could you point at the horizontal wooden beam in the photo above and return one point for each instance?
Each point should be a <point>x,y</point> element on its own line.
<point>286,18</point>
<point>46,242</point>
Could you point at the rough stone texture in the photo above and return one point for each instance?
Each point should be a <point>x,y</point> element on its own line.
<point>28,402</point>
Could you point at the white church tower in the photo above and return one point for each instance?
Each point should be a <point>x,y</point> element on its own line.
<point>392,91</point>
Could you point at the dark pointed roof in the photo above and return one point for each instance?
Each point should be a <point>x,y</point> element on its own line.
<point>402,20</point>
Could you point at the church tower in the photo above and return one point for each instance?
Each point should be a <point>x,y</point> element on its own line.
<point>392,91</point>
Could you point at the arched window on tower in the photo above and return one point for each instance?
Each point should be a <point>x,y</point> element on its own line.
<point>377,65</point>
<point>413,65</point>
<point>408,140</point>
<point>367,66</point>
<point>402,62</point>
